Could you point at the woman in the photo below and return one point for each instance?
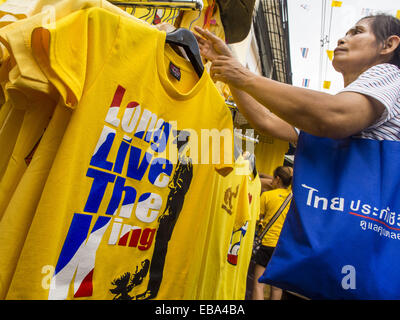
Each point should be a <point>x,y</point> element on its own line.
<point>270,202</point>
<point>368,57</point>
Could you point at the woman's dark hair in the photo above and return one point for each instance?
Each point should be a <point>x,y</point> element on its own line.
<point>383,26</point>
<point>285,174</point>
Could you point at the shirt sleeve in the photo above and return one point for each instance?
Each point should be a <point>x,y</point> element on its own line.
<point>73,51</point>
<point>381,82</point>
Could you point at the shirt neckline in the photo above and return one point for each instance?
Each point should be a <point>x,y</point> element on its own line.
<point>170,89</point>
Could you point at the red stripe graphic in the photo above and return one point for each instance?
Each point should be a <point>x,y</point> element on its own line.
<point>132,104</point>
<point>376,220</point>
<point>119,94</point>
<point>86,287</point>
<point>124,239</point>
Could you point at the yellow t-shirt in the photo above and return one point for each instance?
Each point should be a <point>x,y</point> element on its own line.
<point>17,217</point>
<point>210,19</point>
<point>270,202</point>
<point>227,250</point>
<point>116,192</point>
<point>226,192</point>
<point>32,124</point>
<point>9,130</point>
<point>234,276</point>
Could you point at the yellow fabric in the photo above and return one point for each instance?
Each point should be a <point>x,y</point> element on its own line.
<point>30,101</point>
<point>210,20</point>
<point>270,202</point>
<point>223,208</point>
<point>8,134</point>
<point>20,210</point>
<point>120,60</point>
<point>23,8</point>
<point>17,38</point>
<point>235,277</point>
<point>270,154</point>
<point>35,120</point>
<point>227,250</point>
<point>30,110</point>
<point>190,18</point>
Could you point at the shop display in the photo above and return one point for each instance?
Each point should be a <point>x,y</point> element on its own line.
<point>110,173</point>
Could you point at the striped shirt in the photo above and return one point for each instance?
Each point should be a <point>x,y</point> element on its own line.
<point>381,82</point>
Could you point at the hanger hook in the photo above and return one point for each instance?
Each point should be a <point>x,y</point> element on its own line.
<point>173,16</point>
<point>169,14</point>
<point>149,10</point>
<point>151,13</point>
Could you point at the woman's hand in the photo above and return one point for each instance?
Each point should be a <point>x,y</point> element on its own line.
<point>211,47</point>
<point>230,71</point>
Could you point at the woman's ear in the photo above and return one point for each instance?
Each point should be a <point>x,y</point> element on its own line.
<point>390,45</point>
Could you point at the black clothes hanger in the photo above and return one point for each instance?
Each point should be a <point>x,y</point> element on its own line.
<point>185,38</point>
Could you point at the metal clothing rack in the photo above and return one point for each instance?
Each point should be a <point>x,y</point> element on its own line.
<point>185,5</point>
<point>246,138</point>
<point>160,11</point>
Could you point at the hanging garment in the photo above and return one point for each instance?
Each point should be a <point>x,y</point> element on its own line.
<point>270,154</point>
<point>234,276</point>
<point>225,254</point>
<point>341,236</point>
<point>209,18</point>
<point>226,192</point>
<point>33,122</point>
<point>31,98</point>
<point>17,218</point>
<point>125,193</point>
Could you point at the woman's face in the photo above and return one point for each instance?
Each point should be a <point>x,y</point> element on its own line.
<point>358,50</point>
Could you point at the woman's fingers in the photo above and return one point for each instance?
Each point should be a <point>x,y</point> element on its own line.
<point>221,60</point>
<point>208,35</point>
<point>229,71</point>
<point>205,33</point>
<point>216,73</point>
<point>199,39</point>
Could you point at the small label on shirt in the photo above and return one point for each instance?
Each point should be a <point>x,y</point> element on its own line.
<point>175,71</point>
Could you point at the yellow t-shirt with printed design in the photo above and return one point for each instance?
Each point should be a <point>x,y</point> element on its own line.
<point>227,252</point>
<point>225,194</point>
<point>234,278</point>
<point>270,202</point>
<point>124,193</point>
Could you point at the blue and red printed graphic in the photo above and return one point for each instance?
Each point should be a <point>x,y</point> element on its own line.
<point>77,258</point>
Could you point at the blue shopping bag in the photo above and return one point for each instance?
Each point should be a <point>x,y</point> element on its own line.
<point>341,237</point>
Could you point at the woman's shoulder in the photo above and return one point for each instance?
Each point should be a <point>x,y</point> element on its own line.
<point>384,77</point>
<point>381,82</point>
<point>385,70</point>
